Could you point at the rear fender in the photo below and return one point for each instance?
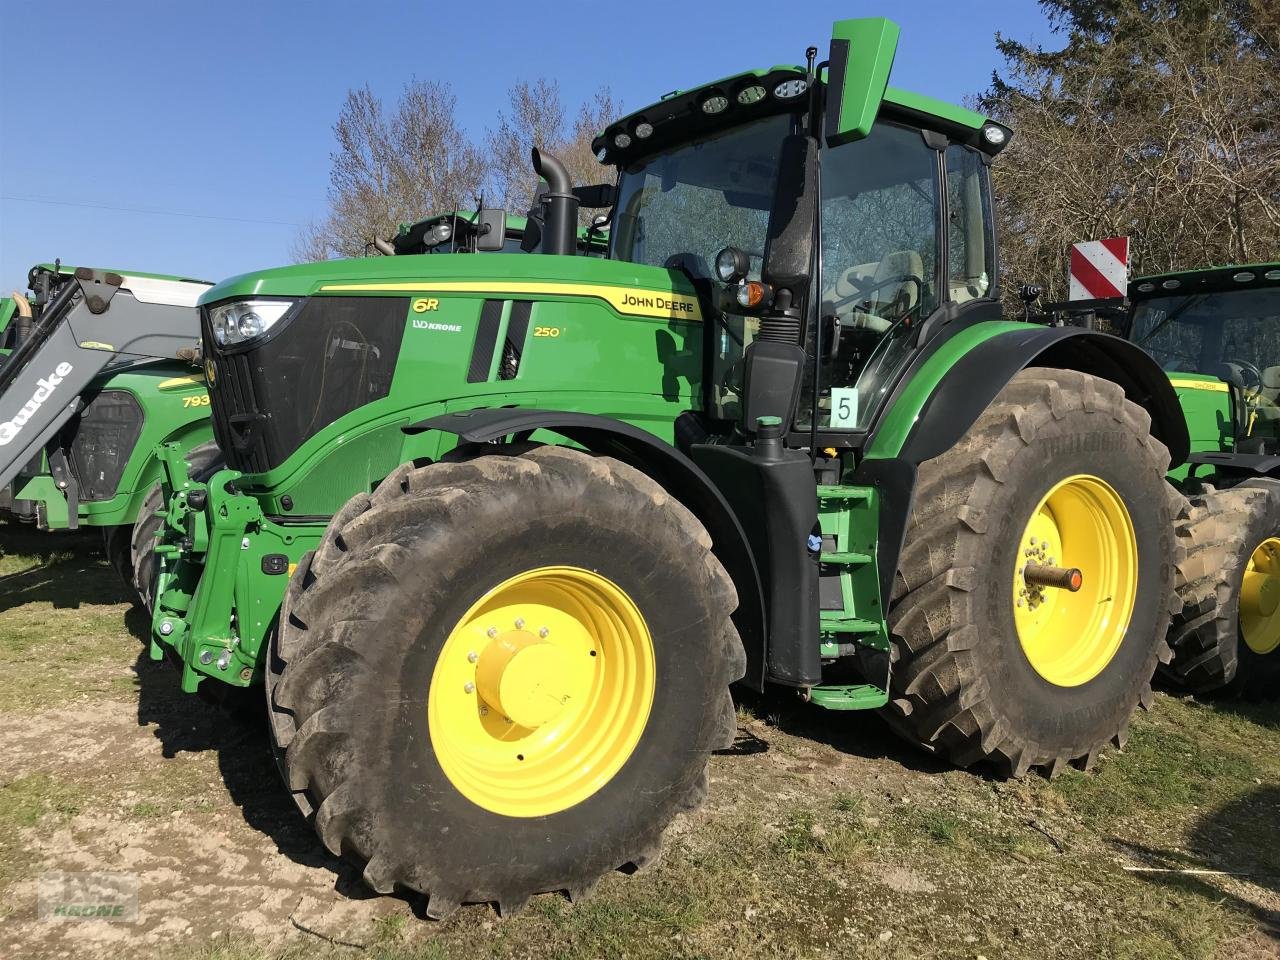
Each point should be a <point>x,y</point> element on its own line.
<point>972,381</point>
<point>918,428</point>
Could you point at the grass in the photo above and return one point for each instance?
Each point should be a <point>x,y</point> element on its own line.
<point>826,838</point>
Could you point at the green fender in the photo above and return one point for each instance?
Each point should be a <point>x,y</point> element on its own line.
<point>954,380</point>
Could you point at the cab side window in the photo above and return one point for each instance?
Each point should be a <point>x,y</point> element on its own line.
<point>970,238</point>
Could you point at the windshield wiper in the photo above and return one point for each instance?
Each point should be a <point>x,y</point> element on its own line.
<point>1174,314</point>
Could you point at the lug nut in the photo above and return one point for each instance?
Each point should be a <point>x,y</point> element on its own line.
<point>472,657</point>
<point>492,632</point>
<point>469,687</point>
<point>519,624</point>
<point>543,633</point>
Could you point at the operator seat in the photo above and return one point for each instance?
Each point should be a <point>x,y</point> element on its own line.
<point>1266,402</point>
<point>888,300</point>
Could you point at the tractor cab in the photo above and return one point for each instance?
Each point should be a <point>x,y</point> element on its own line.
<point>890,189</point>
<point>1216,332</point>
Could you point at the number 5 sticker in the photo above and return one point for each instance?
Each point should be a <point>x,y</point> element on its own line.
<point>844,407</point>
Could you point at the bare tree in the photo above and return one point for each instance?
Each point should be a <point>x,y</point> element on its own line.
<point>391,167</point>
<point>1159,119</point>
<point>537,117</point>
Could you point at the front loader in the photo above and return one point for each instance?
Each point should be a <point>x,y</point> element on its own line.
<point>98,368</point>
<point>498,533</point>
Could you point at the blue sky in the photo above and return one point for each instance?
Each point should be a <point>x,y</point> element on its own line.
<point>194,138</point>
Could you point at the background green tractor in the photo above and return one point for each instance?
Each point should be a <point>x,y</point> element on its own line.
<point>99,367</point>
<point>497,533</point>
<point>1217,334</point>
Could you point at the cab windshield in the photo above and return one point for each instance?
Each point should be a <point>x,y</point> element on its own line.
<point>680,208</point>
<point>1233,335</point>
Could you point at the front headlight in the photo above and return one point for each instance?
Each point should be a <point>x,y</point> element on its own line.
<point>243,320</point>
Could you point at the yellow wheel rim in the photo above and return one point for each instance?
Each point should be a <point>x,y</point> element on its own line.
<point>1260,598</point>
<point>1069,638</point>
<point>541,692</point>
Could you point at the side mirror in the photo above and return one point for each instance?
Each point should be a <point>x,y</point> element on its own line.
<point>491,231</point>
<point>596,196</point>
<point>788,249</point>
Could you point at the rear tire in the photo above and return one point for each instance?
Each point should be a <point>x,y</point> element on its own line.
<point>1211,653</point>
<point>964,683</point>
<point>354,688</point>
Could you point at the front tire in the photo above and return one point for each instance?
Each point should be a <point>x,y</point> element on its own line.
<point>415,632</point>
<point>1060,471</point>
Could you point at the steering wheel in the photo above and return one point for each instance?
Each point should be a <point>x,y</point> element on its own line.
<point>1254,383</point>
<point>862,292</point>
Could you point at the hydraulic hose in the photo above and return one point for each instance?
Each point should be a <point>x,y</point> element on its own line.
<point>50,317</point>
<point>22,324</point>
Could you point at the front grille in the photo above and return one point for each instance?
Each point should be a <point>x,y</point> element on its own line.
<point>232,401</point>
<point>330,357</point>
<point>101,442</point>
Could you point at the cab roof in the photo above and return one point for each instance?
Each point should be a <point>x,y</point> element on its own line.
<point>682,115</point>
<point>1206,280</point>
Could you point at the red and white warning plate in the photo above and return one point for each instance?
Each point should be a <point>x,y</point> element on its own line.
<point>1099,268</point>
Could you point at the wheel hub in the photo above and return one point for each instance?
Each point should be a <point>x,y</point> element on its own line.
<point>1075,580</point>
<point>525,678</point>
<point>541,692</point>
<point>1260,598</point>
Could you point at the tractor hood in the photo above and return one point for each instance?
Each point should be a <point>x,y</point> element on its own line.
<point>631,288</point>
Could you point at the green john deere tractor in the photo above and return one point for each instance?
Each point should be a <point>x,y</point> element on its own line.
<point>1216,332</point>
<point>98,368</point>
<point>498,533</point>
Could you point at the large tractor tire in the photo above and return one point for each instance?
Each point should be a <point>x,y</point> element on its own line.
<point>1226,638</point>
<point>131,549</point>
<point>503,676</point>
<point>1061,471</point>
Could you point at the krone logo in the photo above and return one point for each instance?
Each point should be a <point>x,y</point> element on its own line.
<point>45,386</point>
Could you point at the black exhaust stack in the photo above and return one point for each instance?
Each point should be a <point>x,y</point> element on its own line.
<point>559,206</point>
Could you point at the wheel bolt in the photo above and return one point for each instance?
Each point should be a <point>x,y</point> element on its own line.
<point>492,632</point>
<point>543,633</point>
<point>469,687</point>
<point>519,624</point>
<point>472,657</point>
